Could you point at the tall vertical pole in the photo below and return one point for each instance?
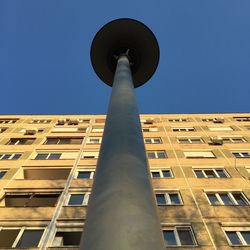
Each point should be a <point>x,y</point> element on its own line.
<point>122,214</point>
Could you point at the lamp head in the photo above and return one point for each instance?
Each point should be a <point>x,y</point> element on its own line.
<point>121,36</point>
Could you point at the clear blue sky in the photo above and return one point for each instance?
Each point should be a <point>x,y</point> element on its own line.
<point>45,65</point>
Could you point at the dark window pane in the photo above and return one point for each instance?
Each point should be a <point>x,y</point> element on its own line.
<point>6,157</point>
<point>166,173</point>
<point>169,238</point>
<point>157,140</point>
<point>16,200</point>
<point>226,200</point>
<point>2,173</point>
<point>7,237</point>
<point>240,199</point>
<point>160,198</point>
<point>64,141</point>
<point>221,173</point>
<point>210,173</point>
<point>156,174</point>
<point>199,174</point>
<point>54,156</point>
<point>246,155</point>
<point>43,200</point>
<point>234,239</point>
<point>161,155</point>
<point>246,236</point>
<point>175,199</point>
<point>69,238</point>
<point>30,238</point>
<point>84,175</point>
<point>185,236</point>
<point>51,141</point>
<point>151,155</point>
<point>41,157</point>
<point>148,141</point>
<point>213,199</point>
<point>16,157</point>
<point>76,199</point>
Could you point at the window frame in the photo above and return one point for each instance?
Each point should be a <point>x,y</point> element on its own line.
<point>177,237</point>
<point>84,201</point>
<point>241,154</point>
<point>21,231</point>
<point>161,173</point>
<point>183,129</point>
<point>91,177</point>
<point>153,140</point>
<point>12,155</point>
<point>190,140</point>
<point>231,197</point>
<point>167,198</point>
<point>238,231</point>
<point>211,169</point>
<point>155,152</point>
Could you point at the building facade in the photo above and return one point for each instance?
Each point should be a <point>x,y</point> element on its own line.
<point>199,164</point>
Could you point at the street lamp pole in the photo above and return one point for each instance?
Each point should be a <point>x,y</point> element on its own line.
<point>122,213</point>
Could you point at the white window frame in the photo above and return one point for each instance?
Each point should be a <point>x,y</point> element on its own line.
<point>20,234</point>
<point>231,197</point>
<point>183,129</point>
<point>84,202</point>
<point>178,120</point>
<point>97,129</point>
<point>211,169</point>
<point>219,128</point>
<point>84,120</point>
<point>42,121</point>
<point>241,154</point>
<point>151,129</point>
<point>92,173</point>
<point>167,198</point>
<point>94,137</point>
<point>190,140</point>
<point>231,139</point>
<point>156,154</point>
<point>161,173</point>
<point>153,140</point>
<point>238,231</point>
<point>8,121</point>
<point>242,118</point>
<point>177,238</point>
<point>12,155</point>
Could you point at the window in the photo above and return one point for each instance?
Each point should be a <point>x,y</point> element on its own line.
<point>20,141</point>
<point>67,238</point>
<point>69,130</point>
<point>153,140</point>
<point>163,173</point>
<point>10,156</point>
<point>199,154</point>
<point>241,154</point>
<point>190,140</point>
<point>183,129</point>
<point>2,130</point>
<point>150,129</point>
<point>224,128</point>
<point>85,174</point>
<point>90,155</point>
<point>234,139</point>
<point>168,198</point>
<point>55,155</point>
<point>242,118</point>
<point>227,198</point>
<point>179,236</point>
<point>214,120</point>
<point>147,121</point>
<point>2,173</point>
<point>20,237</point>
<point>178,120</point>
<point>78,199</point>
<point>63,140</point>
<point>156,154</point>
<point>97,129</point>
<point>40,121</point>
<point>211,173</point>
<point>46,174</point>
<point>94,140</point>
<point>83,120</point>
<point>30,199</point>
<point>8,121</point>
<point>238,237</point>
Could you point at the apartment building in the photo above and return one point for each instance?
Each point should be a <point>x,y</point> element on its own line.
<point>199,164</point>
